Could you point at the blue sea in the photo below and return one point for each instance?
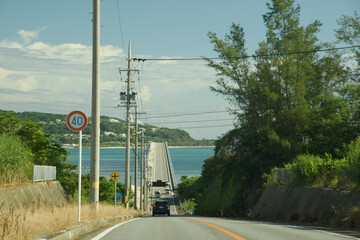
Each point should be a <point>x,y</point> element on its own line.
<point>186,161</point>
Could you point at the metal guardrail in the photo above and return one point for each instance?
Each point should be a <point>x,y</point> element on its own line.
<point>42,173</point>
<point>172,173</point>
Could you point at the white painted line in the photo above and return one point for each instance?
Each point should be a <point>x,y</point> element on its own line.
<point>323,231</point>
<point>336,234</point>
<point>101,235</point>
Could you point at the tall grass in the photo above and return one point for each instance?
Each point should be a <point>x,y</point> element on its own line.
<point>16,161</point>
<point>26,223</point>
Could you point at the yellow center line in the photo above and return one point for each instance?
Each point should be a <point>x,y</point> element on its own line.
<point>218,228</point>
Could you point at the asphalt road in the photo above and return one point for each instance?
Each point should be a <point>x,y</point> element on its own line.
<point>178,227</point>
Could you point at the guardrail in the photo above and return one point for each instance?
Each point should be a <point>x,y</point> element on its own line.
<point>171,167</point>
<point>42,173</point>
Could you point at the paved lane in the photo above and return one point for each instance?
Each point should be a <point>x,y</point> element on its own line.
<point>176,227</point>
<point>195,228</point>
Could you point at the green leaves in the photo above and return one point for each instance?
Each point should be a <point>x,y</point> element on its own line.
<point>16,160</point>
<point>293,100</point>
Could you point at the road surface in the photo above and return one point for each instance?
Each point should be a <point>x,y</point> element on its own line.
<point>195,228</point>
<point>178,227</point>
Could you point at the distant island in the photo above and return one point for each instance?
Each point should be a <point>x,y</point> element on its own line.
<point>112,131</point>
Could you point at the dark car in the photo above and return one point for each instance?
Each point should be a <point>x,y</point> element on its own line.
<point>161,207</point>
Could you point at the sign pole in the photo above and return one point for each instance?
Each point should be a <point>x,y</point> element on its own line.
<point>115,193</point>
<point>79,191</point>
<point>77,121</point>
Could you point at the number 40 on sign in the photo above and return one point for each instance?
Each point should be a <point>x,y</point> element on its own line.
<point>76,120</point>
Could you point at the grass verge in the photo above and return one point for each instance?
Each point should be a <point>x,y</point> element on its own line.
<point>25,224</point>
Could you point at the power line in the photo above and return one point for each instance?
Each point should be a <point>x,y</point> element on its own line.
<point>190,114</point>
<point>213,126</point>
<point>246,56</point>
<point>119,19</point>
<point>211,120</point>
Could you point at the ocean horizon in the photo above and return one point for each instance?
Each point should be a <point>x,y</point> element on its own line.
<point>187,161</point>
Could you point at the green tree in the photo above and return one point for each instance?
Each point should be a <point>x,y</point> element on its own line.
<point>291,100</point>
<point>44,152</point>
<point>349,32</point>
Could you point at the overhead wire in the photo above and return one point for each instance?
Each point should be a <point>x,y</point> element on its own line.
<point>246,56</point>
<point>213,126</point>
<point>193,121</point>
<point>191,114</point>
<point>119,19</point>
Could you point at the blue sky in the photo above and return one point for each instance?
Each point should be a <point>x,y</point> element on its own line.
<point>45,54</point>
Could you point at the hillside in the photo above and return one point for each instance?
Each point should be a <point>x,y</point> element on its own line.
<point>112,131</point>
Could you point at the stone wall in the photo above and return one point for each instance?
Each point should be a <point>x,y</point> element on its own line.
<point>309,205</point>
<point>37,194</point>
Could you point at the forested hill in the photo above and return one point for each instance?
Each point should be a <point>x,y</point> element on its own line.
<point>112,131</point>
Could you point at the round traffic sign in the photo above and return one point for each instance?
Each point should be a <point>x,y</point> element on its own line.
<point>76,120</point>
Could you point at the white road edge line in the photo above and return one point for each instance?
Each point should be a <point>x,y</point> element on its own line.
<point>101,235</point>
<point>327,232</point>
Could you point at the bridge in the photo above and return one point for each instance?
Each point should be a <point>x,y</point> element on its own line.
<point>161,176</point>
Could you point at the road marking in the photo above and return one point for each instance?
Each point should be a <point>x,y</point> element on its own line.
<point>218,228</point>
<point>101,235</point>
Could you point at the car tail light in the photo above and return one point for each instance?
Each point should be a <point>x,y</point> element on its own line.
<point>154,205</point>
<point>167,205</point>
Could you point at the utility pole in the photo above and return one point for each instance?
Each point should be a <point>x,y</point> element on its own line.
<point>95,110</point>
<point>127,154</point>
<point>142,174</point>
<point>136,157</point>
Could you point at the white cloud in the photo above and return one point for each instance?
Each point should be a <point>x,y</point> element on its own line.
<point>69,52</point>
<point>145,94</point>
<point>58,78</point>
<point>29,36</point>
<point>17,80</point>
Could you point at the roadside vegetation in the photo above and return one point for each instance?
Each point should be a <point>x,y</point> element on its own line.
<point>16,161</point>
<point>325,171</point>
<point>295,106</point>
<point>40,221</point>
<point>23,144</point>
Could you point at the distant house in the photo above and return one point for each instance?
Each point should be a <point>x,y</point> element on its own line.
<point>122,135</point>
<point>108,133</point>
<point>114,120</point>
<point>58,120</point>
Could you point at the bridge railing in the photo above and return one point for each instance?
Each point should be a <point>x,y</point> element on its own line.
<point>172,173</point>
<point>42,173</point>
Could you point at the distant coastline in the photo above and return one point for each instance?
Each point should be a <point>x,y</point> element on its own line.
<point>139,147</point>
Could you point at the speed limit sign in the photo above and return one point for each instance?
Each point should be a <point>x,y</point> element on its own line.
<point>76,120</point>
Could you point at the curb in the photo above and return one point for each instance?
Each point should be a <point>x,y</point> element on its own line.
<point>75,232</point>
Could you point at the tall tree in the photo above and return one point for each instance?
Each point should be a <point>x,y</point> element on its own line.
<point>291,98</point>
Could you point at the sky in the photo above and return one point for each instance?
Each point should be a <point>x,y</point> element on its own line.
<point>46,55</point>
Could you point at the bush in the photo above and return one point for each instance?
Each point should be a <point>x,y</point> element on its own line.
<point>16,160</point>
<point>353,158</point>
<point>306,168</point>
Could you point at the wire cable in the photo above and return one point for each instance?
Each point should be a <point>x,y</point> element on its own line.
<point>211,120</point>
<point>246,56</point>
<point>119,19</point>
<point>191,114</point>
<point>213,126</point>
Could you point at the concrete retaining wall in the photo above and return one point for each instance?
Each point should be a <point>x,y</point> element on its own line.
<point>37,194</point>
<point>306,204</point>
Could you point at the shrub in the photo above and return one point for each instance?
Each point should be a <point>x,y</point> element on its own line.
<point>16,160</point>
<point>306,168</point>
<point>353,158</point>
